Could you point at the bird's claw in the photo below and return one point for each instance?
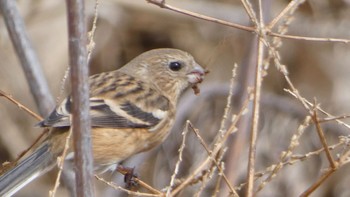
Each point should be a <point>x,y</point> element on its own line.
<point>129,176</point>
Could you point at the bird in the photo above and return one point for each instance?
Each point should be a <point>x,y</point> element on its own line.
<point>132,110</point>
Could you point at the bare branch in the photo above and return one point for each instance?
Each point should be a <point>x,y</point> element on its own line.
<point>29,61</point>
<point>233,191</point>
<point>116,187</point>
<point>322,137</point>
<point>80,94</point>
<point>19,105</point>
<point>306,38</point>
<point>292,5</point>
<point>162,4</point>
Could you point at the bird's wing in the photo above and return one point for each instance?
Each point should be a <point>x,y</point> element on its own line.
<point>117,100</point>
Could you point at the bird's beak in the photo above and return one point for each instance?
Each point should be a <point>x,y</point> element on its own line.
<point>196,75</point>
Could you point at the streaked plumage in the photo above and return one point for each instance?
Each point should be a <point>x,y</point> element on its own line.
<point>132,110</point>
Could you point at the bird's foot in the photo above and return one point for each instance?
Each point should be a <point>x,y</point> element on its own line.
<point>129,176</point>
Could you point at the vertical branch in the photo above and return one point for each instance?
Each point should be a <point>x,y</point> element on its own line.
<point>29,61</point>
<point>323,138</point>
<point>80,93</point>
<point>256,107</point>
<point>177,166</point>
<point>255,121</point>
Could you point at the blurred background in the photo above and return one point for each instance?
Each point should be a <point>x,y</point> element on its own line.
<point>126,28</point>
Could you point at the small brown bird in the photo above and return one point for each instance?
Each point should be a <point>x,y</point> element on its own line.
<point>131,109</point>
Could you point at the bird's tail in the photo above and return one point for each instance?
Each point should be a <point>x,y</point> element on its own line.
<point>27,170</point>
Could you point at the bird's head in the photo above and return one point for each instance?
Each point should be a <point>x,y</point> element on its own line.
<point>170,70</point>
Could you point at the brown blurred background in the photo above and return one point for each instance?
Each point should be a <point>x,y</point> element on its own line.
<point>127,28</point>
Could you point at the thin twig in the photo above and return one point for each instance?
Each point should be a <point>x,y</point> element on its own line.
<point>228,103</point>
<point>216,191</point>
<point>162,4</point>
<point>322,137</point>
<point>292,4</point>
<point>285,155</point>
<point>293,159</point>
<point>205,177</point>
<point>139,181</point>
<point>177,165</point>
<point>217,148</point>
<point>319,108</point>
<point>209,152</point>
<point>90,48</point>
<point>283,69</point>
<point>19,105</point>
<point>333,118</point>
<point>36,116</point>
<point>116,187</point>
<point>62,84</point>
<point>91,34</point>
<point>223,129</point>
<point>316,152</point>
<point>256,112</point>
<point>185,182</point>
<point>60,164</point>
<point>305,38</point>
<point>345,156</point>
<point>249,9</point>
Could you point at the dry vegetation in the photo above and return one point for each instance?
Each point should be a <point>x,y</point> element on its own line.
<point>296,112</point>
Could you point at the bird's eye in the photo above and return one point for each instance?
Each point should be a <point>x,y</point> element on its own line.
<point>175,66</point>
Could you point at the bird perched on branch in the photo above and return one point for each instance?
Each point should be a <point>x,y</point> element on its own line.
<point>132,110</point>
